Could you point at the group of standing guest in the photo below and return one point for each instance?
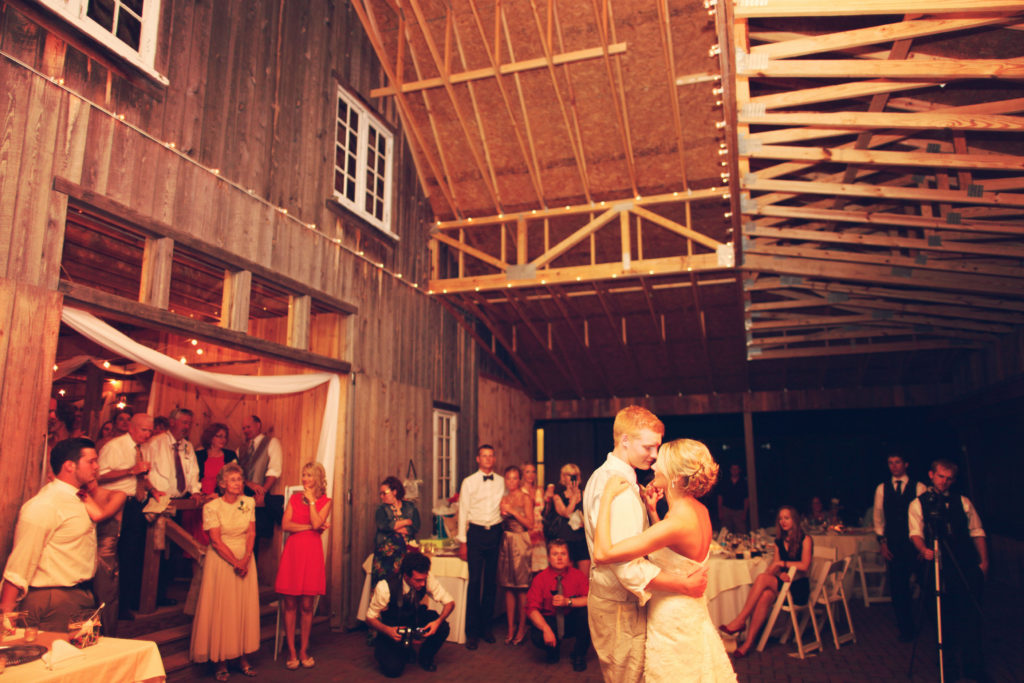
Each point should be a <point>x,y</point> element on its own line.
<point>80,540</point>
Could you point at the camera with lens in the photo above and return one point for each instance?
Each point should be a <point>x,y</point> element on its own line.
<point>407,635</point>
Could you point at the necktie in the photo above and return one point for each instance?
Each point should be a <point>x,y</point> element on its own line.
<point>559,611</point>
<point>899,486</point>
<point>179,471</point>
<point>488,477</point>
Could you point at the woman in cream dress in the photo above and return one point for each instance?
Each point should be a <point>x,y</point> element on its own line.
<point>227,621</point>
<point>682,642</point>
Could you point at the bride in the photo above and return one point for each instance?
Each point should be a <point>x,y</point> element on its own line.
<point>682,643</point>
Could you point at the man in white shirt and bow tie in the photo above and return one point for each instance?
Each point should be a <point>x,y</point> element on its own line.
<point>892,498</point>
<point>480,534</point>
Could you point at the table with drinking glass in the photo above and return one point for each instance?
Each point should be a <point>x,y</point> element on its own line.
<point>729,581</point>
<point>111,660</point>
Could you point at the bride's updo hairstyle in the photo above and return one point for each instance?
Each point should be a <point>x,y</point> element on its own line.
<point>689,467</point>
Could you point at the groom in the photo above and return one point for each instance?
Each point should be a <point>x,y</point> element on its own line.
<point>618,592</point>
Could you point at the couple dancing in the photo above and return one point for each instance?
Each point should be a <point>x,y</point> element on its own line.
<point>648,618</point>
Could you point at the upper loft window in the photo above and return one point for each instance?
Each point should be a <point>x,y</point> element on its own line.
<point>363,174</point>
<point>126,27</point>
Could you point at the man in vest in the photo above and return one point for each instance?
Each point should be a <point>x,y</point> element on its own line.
<point>397,611</point>
<point>260,459</point>
<point>892,498</point>
<point>953,520</point>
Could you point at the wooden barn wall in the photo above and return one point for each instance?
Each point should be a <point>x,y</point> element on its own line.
<point>250,112</point>
<point>505,422</point>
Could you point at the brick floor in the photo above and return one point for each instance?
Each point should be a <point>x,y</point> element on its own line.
<point>876,656</point>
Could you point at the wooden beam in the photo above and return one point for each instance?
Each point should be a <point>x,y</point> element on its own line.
<point>884,240</point>
<point>854,333</point>
<point>810,352</point>
<point>925,121</point>
<point>585,208</point>
<point>887,218</point>
<point>883,192</point>
<point>299,321</point>
<point>1003,162</point>
<point>902,275</point>
<point>503,69</point>
<point>155,285</point>
<point>560,364</point>
<point>472,251</point>
<point>669,265</point>
<point>681,230</point>
<point>120,308</point>
<point>842,40</point>
<point>234,308</point>
<point>938,69</point>
<point>122,213</point>
<point>575,238</point>
<point>813,8</point>
<point>840,91</point>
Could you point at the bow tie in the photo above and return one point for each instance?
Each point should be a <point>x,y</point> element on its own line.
<point>488,477</point>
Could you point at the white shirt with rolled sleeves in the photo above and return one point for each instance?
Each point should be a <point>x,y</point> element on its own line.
<point>879,514</point>
<point>382,595</point>
<point>120,454</point>
<point>620,581</point>
<point>54,540</point>
<point>159,453</point>
<point>915,518</point>
<point>480,502</point>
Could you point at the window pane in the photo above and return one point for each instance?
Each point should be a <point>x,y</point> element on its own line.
<point>102,12</point>
<point>129,30</point>
<point>134,5</point>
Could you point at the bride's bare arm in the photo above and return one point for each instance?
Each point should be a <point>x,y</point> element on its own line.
<point>657,536</point>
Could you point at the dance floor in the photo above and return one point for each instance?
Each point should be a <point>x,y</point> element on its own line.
<point>876,656</point>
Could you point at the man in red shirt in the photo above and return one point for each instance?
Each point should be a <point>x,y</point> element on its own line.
<point>559,591</point>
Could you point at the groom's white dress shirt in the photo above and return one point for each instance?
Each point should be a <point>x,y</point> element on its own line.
<point>623,580</point>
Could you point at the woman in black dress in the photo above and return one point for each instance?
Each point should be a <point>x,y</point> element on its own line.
<point>792,549</point>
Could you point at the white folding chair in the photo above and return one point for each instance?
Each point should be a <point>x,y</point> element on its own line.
<point>820,562</point>
<point>833,593</point>
<point>871,563</point>
<point>279,632</point>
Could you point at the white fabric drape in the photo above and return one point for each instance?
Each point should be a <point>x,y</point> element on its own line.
<point>93,328</point>
<point>66,367</point>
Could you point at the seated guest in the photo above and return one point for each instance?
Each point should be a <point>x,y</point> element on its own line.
<point>559,589</point>
<point>817,516</point>
<point>397,605</point>
<point>792,549</point>
<point>51,565</point>
<point>227,622</point>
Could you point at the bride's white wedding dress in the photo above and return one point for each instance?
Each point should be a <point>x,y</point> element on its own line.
<point>682,643</point>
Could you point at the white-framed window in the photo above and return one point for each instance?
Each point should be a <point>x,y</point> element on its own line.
<point>129,28</point>
<point>363,167</point>
<point>445,447</point>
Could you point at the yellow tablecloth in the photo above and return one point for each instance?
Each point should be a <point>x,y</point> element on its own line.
<point>110,660</point>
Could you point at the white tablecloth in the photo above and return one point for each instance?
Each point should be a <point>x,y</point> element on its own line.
<point>847,544</point>
<point>452,573</point>
<point>729,581</point>
<point>110,660</point>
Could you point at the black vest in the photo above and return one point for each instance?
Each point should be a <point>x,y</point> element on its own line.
<point>402,611</point>
<point>959,536</point>
<point>895,509</point>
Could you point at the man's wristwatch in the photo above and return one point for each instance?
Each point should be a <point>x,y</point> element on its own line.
<point>570,602</point>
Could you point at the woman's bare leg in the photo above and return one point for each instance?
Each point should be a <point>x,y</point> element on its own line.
<point>764,604</point>
<point>520,615</point>
<point>510,613</point>
<point>762,583</point>
<point>307,625</point>
<point>290,607</point>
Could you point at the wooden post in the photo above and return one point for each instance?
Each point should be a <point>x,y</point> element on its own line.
<point>298,321</point>
<point>748,445</point>
<point>234,311</point>
<point>155,287</point>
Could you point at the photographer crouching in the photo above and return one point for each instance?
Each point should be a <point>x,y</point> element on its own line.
<point>398,612</point>
<point>936,515</point>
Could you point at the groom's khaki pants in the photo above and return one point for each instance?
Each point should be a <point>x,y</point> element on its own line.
<point>618,631</point>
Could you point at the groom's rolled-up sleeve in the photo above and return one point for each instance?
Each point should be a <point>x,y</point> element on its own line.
<point>627,521</point>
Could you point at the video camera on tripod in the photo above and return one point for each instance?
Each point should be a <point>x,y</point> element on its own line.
<point>935,513</point>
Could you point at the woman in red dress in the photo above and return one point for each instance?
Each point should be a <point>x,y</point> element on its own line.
<point>211,458</point>
<point>300,574</point>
